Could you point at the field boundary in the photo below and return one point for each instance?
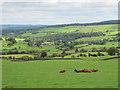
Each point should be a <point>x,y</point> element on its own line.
<point>56,59</point>
<point>48,59</point>
<point>110,58</point>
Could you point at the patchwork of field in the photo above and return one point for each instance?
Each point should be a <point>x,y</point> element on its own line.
<point>45,74</point>
<point>113,29</point>
<point>82,42</point>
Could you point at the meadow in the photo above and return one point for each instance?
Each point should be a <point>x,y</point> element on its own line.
<point>89,44</point>
<point>45,74</point>
<point>69,29</point>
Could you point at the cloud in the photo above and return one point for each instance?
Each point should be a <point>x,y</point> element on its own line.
<point>58,12</point>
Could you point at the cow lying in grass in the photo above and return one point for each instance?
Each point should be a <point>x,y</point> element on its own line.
<point>94,70</point>
<point>62,71</point>
<point>86,70</point>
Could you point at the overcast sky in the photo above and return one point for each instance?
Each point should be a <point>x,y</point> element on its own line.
<point>59,12</point>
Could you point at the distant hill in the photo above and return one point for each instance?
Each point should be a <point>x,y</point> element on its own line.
<point>18,27</point>
<point>38,31</point>
<point>51,31</point>
<point>86,24</point>
<point>111,22</point>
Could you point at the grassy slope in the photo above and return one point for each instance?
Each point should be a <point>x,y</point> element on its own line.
<point>41,74</point>
<point>24,46</point>
<point>44,74</point>
<point>17,55</point>
<point>95,38</point>
<point>107,45</point>
<point>83,29</point>
<point>68,29</point>
<point>89,47</point>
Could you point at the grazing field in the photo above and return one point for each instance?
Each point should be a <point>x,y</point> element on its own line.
<point>40,54</point>
<point>63,41</point>
<point>68,29</point>
<point>45,74</point>
<point>95,38</point>
<point>17,55</point>
<point>107,45</point>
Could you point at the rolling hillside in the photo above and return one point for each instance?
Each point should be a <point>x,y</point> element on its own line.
<point>32,58</point>
<point>110,26</point>
<point>92,37</point>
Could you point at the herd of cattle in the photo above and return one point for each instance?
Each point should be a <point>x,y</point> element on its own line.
<point>78,71</point>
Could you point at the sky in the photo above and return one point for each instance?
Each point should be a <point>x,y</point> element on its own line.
<point>49,12</point>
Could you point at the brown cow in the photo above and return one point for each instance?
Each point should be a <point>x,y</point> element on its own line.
<point>94,70</point>
<point>77,71</point>
<point>86,70</point>
<point>62,71</point>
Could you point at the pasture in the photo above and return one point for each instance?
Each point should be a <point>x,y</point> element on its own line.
<point>18,55</point>
<point>107,45</point>
<point>79,29</point>
<point>45,74</point>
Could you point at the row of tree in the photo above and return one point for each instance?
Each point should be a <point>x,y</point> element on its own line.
<point>71,36</point>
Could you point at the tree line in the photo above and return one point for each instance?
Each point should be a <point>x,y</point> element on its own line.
<point>71,36</point>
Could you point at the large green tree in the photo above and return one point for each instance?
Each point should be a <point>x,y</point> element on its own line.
<point>43,54</point>
<point>11,39</point>
<point>112,51</point>
<point>10,44</point>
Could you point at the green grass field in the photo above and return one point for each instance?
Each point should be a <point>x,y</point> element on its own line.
<point>107,45</point>
<point>95,38</point>
<point>44,74</point>
<point>81,29</point>
<point>18,55</point>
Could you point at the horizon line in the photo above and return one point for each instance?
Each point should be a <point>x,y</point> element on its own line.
<point>61,23</point>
